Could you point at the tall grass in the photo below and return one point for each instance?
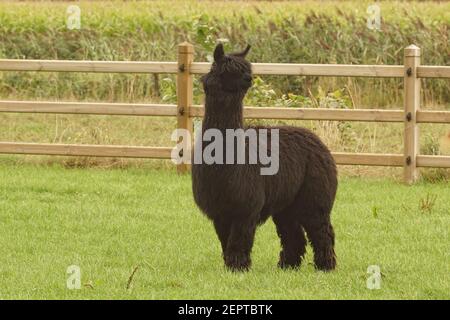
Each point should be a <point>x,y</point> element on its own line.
<point>306,32</point>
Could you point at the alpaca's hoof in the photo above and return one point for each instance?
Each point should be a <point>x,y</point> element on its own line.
<point>325,263</point>
<point>237,262</point>
<point>285,265</point>
<point>289,261</point>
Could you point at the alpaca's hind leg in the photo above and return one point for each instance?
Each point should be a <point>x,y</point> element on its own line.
<point>315,202</point>
<point>239,245</point>
<point>320,233</point>
<point>293,241</point>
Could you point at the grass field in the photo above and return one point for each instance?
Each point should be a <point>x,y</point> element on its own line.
<point>108,222</point>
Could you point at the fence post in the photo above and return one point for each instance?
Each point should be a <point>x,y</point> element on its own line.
<point>411,105</point>
<point>184,96</point>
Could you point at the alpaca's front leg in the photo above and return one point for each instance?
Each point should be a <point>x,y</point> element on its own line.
<point>223,228</point>
<point>240,243</point>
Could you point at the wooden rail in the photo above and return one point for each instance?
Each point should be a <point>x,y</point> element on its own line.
<point>433,161</point>
<point>145,109</point>
<point>341,158</point>
<point>85,150</point>
<point>331,70</point>
<point>433,116</point>
<point>411,115</point>
<point>368,159</point>
<point>88,66</point>
<point>128,109</point>
<point>370,115</point>
<point>433,72</point>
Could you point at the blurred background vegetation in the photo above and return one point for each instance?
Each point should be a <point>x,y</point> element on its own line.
<point>279,31</point>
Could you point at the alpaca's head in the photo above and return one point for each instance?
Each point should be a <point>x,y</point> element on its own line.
<point>230,73</point>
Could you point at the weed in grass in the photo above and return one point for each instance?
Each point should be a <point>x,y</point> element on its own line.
<point>426,204</point>
<point>131,277</point>
<point>375,211</point>
<point>89,284</point>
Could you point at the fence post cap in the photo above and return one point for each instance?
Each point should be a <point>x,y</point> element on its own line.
<point>412,51</point>
<point>185,47</point>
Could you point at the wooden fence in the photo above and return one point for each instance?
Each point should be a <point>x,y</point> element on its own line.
<point>185,111</point>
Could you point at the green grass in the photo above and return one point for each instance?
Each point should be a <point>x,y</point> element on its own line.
<point>110,221</point>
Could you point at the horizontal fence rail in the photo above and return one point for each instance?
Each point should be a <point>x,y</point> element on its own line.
<point>127,109</point>
<point>85,150</point>
<point>331,70</point>
<point>370,115</point>
<point>88,66</point>
<point>341,158</point>
<point>433,72</point>
<point>185,68</point>
<point>144,109</point>
<point>368,159</point>
<point>433,116</point>
<point>433,161</point>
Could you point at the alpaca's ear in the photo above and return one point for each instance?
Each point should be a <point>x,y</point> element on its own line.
<point>218,52</point>
<point>243,53</point>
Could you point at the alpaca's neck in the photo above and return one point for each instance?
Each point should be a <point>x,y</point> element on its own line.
<point>223,111</point>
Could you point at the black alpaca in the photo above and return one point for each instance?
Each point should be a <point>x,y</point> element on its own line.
<point>237,198</point>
